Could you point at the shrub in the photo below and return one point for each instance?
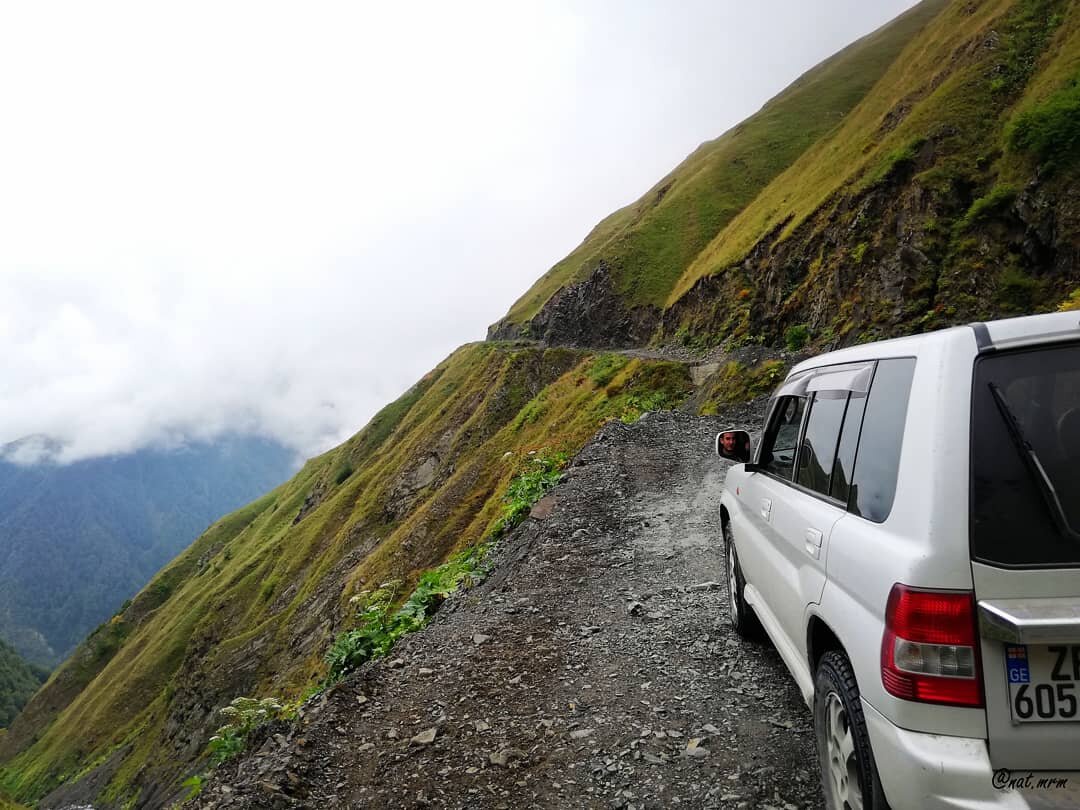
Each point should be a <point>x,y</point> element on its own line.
<point>996,200</point>
<point>634,405</point>
<point>244,715</point>
<point>194,786</point>
<point>1016,290</point>
<point>1050,130</point>
<point>796,336</point>
<point>528,487</point>
<point>898,160</point>
<point>343,473</point>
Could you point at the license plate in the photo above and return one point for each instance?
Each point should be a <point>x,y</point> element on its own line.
<point>1044,682</point>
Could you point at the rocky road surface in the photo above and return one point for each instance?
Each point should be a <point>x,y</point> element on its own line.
<point>594,668</point>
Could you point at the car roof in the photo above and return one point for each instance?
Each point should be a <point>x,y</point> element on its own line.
<point>1007,333</point>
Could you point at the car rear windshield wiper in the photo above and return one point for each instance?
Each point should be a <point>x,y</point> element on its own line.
<point>1034,465</point>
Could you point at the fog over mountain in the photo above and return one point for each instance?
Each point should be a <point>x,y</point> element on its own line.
<point>271,219</point>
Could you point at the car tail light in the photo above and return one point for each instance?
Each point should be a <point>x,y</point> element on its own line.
<point>929,652</point>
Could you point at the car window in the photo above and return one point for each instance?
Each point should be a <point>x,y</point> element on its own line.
<point>782,437</point>
<point>877,460</point>
<point>819,442</point>
<point>1025,457</point>
<point>840,485</point>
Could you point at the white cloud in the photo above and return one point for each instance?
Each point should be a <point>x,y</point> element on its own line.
<point>275,217</point>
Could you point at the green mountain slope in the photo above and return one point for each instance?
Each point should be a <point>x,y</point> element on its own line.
<point>76,540</point>
<point>946,192</point>
<point>925,208</point>
<point>648,245</point>
<point>252,605</point>
<point>18,681</point>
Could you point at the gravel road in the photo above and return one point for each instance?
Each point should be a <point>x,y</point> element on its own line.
<point>594,668</point>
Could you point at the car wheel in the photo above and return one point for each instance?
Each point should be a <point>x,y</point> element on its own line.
<point>849,776</point>
<point>743,619</point>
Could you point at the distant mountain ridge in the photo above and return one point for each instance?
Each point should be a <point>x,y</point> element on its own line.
<point>76,540</point>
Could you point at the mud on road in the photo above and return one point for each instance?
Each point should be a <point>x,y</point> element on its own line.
<point>594,668</point>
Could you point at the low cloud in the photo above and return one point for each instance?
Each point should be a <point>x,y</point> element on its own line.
<point>274,219</point>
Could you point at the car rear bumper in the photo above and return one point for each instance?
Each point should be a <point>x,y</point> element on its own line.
<point>926,771</point>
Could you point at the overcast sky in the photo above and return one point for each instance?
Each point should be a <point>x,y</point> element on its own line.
<point>276,217</point>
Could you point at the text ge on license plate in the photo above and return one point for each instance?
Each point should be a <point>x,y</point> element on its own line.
<point>1044,682</point>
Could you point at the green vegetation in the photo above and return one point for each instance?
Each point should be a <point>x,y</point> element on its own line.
<point>956,121</point>
<point>18,681</point>
<point>379,626</point>
<point>1016,290</point>
<point>897,161</point>
<point>998,199</point>
<point>795,337</point>
<point>194,786</point>
<point>605,367</point>
<point>1072,303</point>
<point>1051,129</point>
<point>243,716</point>
<point>735,382</point>
<point>650,244</point>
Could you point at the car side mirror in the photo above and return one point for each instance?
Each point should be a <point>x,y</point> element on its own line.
<point>734,445</point>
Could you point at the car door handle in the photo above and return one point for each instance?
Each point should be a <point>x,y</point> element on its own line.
<point>766,509</point>
<point>813,543</point>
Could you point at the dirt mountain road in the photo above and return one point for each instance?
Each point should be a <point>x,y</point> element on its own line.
<point>594,668</point>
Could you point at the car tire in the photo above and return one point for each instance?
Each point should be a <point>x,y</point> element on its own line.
<point>743,619</point>
<point>849,776</point>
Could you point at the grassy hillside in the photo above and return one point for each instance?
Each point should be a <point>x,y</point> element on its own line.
<point>948,194</point>
<point>924,176</point>
<point>650,244</point>
<point>251,607</point>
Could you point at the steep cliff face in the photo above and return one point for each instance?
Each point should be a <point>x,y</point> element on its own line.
<point>252,605</point>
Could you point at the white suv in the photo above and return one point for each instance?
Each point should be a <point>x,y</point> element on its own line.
<point>908,535</point>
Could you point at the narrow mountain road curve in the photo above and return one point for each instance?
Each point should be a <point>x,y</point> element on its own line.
<point>594,668</point>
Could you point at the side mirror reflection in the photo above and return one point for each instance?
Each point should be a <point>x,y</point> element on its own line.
<point>733,445</point>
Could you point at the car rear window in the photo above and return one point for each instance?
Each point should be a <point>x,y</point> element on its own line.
<point>1025,458</point>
